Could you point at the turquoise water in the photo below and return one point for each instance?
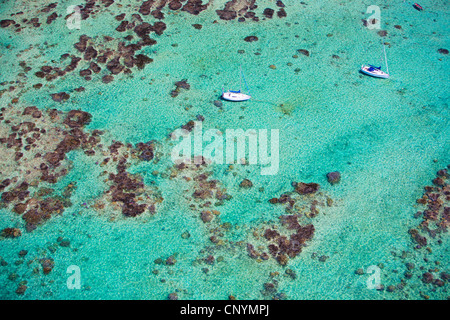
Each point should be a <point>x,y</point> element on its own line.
<point>387,138</point>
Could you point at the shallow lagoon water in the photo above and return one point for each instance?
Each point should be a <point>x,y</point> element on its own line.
<point>387,138</point>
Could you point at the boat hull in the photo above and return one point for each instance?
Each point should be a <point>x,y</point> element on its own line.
<point>234,96</point>
<point>377,73</point>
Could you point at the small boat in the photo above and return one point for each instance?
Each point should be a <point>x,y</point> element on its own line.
<point>237,95</point>
<point>417,6</point>
<point>376,71</point>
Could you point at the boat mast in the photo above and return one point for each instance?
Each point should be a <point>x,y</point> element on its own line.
<point>385,59</point>
<point>240,78</point>
<point>246,85</point>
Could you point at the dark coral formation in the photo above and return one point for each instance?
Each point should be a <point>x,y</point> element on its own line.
<point>206,192</point>
<point>204,196</point>
<point>145,151</point>
<point>60,96</point>
<point>304,200</point>
<point>271,288</point>
<point>195,6</point>
<point>155,8</point>
<point>39,157</point>
<point>77,119</point>
<point>106,56</point>
<point>416,265</point>
<point>130,192</point>
<point>286,245</point>
<point>286,240</point>
<point>182,84</point>
<point>39,141</point>
<point>11,233</point>
<point>244,9</point>
<point>436,216</point>
<point>306,188</point>
<point>124,190</point>
<point>175,5</point>
<point>268,13</point>
<point>33,22</point>
<point>281,13</point>
<point>6,23</point>
<point>422,263</point>
<point>238,8</point>
<point>41,211</point>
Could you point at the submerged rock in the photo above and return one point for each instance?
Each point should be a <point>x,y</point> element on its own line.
<point>175,5</point>
<point>249,15</point>
<point>246,184</point>
<point>77,118</point>
<point>11,233</point>
<point>333,177</point>
<point>207,216</point>
<point>251,38</point>
<point>38,215</point>
<point>95,67</point>
<point>21,289</point>
<point>6,23</point>
<point>120,17</point>
<point>427,277</point>
<point>33,111</point>
<point>306,188</point>
<point>61,96</point>
<point>52,17</point>
<point>143,29</point>
<point>47,264</point>
<point>107,78</point>
<point>81,45</point>
<point>146,7</point>
<point>90,53</point>
<point>226,14</point>
<point>281,13</point>
<point>173,296</point>
<point>195,6</point>
<point>20,208</point>
<point>157,14</point>
<point>114,66</point>
<point>146,152</point>
<point>421,240</point>
<point>268,13</point>
<point>159,27</point>
<point>142,60</point>
<point>304,52</point>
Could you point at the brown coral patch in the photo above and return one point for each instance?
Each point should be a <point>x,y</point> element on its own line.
<point>77,118</point>
<point>436,215</point>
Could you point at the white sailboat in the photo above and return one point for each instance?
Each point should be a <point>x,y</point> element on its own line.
<point>237,95</point>
<point>376,71</point>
